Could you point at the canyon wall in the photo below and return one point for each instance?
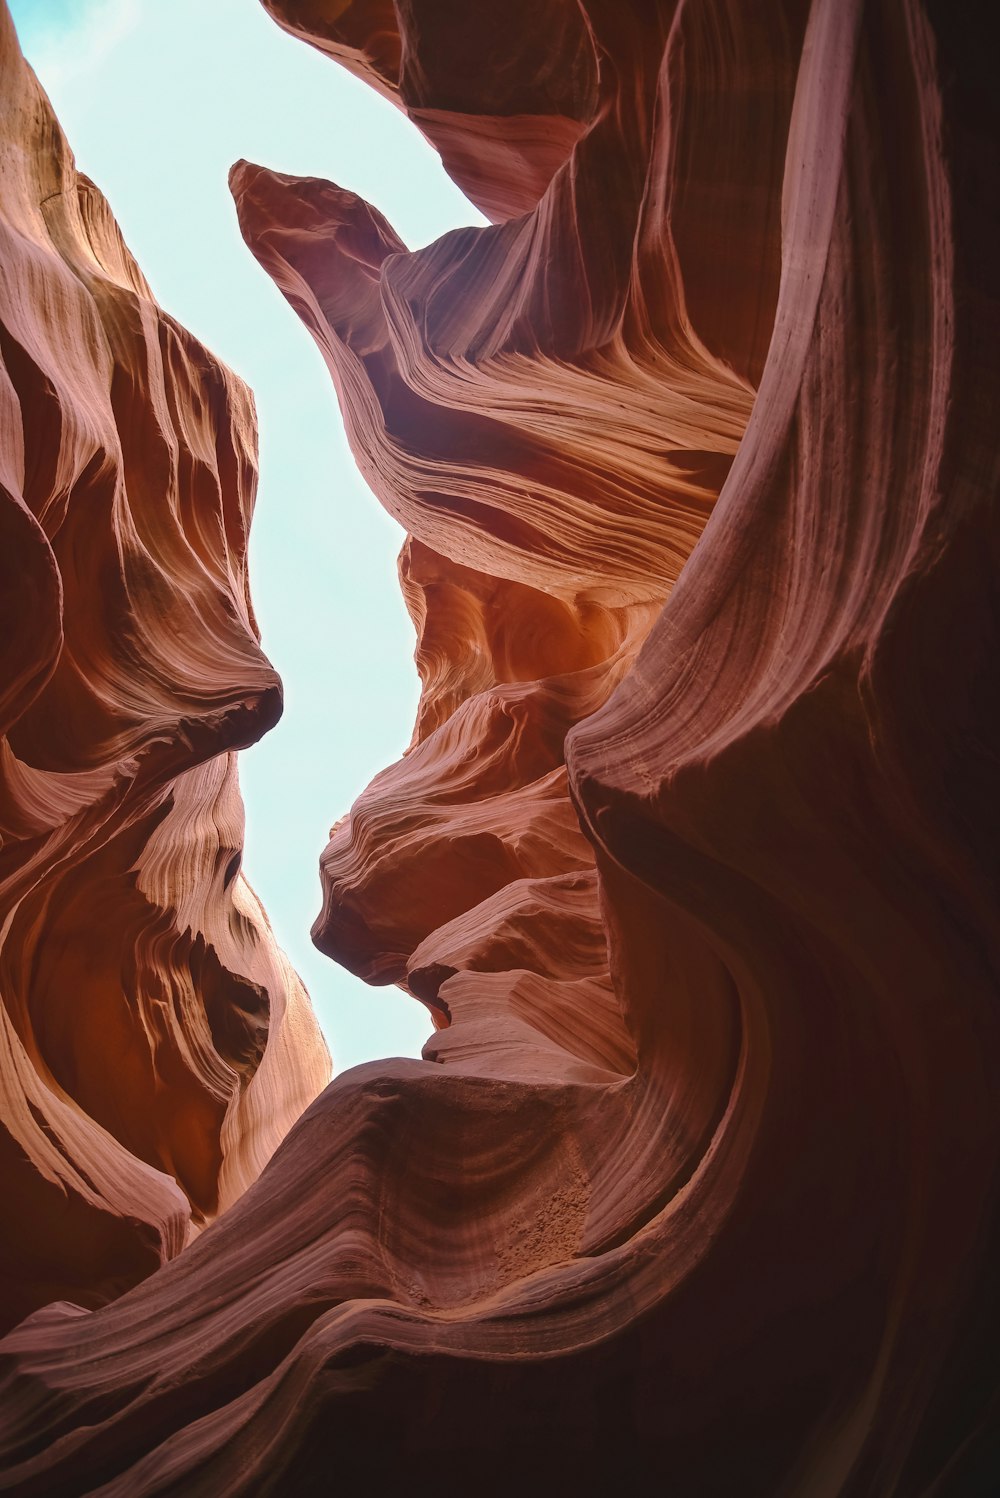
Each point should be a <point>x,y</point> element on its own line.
<point>695,1189</point>
<point>156,1044</point>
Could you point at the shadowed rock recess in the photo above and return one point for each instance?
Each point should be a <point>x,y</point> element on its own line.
<point>695,1189</point>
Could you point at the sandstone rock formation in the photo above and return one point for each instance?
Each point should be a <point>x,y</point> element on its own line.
<point>156,1044</point>
<point>696,1188</point>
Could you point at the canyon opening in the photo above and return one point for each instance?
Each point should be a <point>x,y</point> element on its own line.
<point>674,1169</point>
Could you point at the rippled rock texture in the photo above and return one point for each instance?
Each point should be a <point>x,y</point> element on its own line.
<point>695,1190</point>
<point>156,1045</point>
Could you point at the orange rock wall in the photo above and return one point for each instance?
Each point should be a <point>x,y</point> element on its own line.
<point>156,1045</point>
<point>695,1188</point>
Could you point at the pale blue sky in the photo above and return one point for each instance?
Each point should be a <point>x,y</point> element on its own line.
<point>158,99</point>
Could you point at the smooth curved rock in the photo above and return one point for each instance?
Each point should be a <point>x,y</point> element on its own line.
<point>156,1045</point>
<point>695,1190</point>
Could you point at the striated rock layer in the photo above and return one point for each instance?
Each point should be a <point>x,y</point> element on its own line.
<point>156,1045</point>
<point>695,1190</point>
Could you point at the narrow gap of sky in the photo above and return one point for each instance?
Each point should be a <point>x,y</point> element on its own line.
<point>158,100</point>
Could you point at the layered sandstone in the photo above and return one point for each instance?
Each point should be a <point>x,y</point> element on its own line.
<point>695,1188</point>
<point>156,1044</point>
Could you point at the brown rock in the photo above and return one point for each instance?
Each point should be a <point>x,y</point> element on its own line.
<point>156,1045</point>
<point>696,1189</point>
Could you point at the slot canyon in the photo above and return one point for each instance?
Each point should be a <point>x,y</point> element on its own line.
<point>690,861</point>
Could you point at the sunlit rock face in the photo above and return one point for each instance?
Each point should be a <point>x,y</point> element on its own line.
<point>695,1188</point>
<point>156,1044</point>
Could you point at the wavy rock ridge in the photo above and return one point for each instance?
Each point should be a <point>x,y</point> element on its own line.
<point>695,1190</point>
<point>156,1044</point>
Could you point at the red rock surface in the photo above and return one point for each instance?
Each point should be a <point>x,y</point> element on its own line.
<point>156,1045</point>
<point>696,1188</point>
